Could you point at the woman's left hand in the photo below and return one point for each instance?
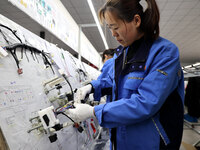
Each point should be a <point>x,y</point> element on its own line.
<point>81,112</point>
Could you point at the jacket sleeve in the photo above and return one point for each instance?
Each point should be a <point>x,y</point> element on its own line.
<point>161,80</point>
<point>104,81</point>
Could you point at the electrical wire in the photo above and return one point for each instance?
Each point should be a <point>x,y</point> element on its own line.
<point>4,37</point>
<point>33,50</point>
<point>12,49</point>
<point>26,55</point>
<point>65,115</point>
<point>13,32</point>
<point>13,53</point>
<point>36,57</point>
<point>64,76</point>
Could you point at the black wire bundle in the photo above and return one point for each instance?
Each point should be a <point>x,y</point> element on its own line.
<point>12,48</point>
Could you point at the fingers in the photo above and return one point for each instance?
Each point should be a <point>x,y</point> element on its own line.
<point>74,105</point>
<point>69,112</point>
<point>81,112</point>
<point>77,100</point>
<point>78,96</point>
<point>72,114</point>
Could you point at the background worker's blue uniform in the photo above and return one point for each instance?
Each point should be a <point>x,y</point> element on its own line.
<point>146,112</point>
<point>105,80</point>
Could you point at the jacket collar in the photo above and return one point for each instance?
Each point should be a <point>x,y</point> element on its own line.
<point>141,49</point>
<point>119,50</point>
<point>137,55</point>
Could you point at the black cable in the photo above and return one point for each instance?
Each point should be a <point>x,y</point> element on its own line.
<point>5,37</point>
<point>26,55</point>
<point>79,73</point>
<point>66,116</point>
<point>33,51</point>
<point>80,70</point>
<point>23,46</point>
<point>32,54</point>
<point>13,53</point>
<point>36,57</point>
<point>13,31</point>
<point>46,61</point>
<point>64,76</point>
<point>22,52</point>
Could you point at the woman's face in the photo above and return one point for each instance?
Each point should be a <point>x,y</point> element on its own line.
<point>125,33</point>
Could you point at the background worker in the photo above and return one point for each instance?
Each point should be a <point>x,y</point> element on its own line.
<point>107,54</point>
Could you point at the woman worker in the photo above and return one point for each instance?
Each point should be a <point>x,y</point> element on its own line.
<point>146,112</point>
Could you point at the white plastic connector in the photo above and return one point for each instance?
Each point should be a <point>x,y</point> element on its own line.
<point>52,82</point>
<point>61,71</point>
<point>66,124</point>
<point>58,81</point>
<point>48,117</point>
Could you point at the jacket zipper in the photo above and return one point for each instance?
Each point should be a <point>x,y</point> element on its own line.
<point>159,132</point>
<point>124,57</point>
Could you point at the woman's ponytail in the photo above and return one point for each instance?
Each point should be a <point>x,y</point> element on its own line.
<point>150,22</point>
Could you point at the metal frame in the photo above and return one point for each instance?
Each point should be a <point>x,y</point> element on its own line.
<point>79,36</point>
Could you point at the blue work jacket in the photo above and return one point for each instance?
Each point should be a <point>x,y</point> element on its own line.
<point>148,93</point>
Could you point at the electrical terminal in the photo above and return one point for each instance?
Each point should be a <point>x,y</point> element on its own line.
<point>36,125</point>
<point>3,53</point>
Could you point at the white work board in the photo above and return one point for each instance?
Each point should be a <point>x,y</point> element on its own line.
<point>23,95</point>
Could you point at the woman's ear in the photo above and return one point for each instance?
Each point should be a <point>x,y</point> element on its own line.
<point>137,20</point>
<point>106,56</point>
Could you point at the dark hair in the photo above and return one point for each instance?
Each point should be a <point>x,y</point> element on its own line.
<point>127,9</point>
<point>108,52</point>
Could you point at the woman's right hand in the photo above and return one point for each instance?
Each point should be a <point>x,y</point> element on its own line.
<point>82,92</point>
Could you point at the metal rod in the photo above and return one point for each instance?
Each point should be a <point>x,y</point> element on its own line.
<point>35,128</point>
